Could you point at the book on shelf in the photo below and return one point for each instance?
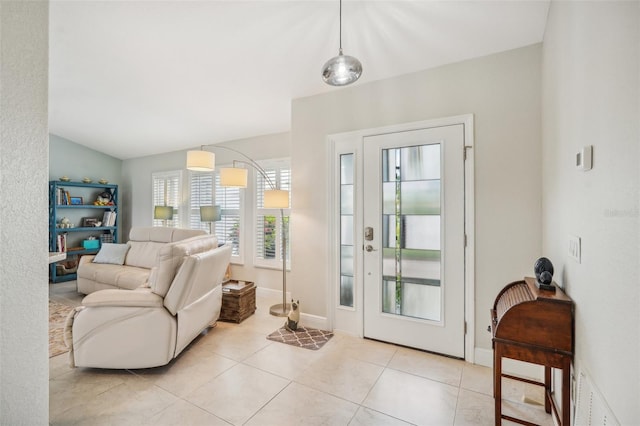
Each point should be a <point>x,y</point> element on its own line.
<point>62,197</point>
<point>109,218</point>
<point>61,242</point>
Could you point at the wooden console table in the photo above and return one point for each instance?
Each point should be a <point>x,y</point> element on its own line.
<point>537,326</point>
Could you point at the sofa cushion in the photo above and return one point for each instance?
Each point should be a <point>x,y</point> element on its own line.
<point>143,254</point>
<point>146,243</point>
<point>112,253</point>
<point>125,277</point>
<point>171,256</point>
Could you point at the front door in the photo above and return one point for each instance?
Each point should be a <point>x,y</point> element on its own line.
<point>413,238</point>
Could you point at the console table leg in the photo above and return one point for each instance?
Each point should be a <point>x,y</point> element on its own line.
<point>566,392</point>
<point>497,384</point>
<point>547,389</point>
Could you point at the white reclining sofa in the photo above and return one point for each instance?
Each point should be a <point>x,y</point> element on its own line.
<point>144,246</point>
<point>152,324</point>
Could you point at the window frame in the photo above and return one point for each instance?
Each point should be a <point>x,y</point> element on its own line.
<point>179,209</point>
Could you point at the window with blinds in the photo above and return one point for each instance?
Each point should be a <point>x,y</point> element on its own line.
<point>268,222</point>
<point>229,227</point>
<point>166,192</point>
<point>201,194</point>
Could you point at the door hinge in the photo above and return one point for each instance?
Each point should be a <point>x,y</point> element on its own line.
<point>465,240</point>
<point>465,327</point>
<point>464,151</point>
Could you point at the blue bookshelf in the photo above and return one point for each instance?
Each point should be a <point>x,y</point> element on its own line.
<point>61,196</point>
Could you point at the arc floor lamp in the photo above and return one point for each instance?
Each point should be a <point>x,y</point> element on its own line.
<point>274,198</point>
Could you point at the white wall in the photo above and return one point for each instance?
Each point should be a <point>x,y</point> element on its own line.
<point>24,362</point>
<point>136,198</point>
<point>503,93</point>
<point>591,96</point>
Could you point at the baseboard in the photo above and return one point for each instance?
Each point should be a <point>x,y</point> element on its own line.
<point>271,293</point>
<point>510,366</point>
<point>314,321</point>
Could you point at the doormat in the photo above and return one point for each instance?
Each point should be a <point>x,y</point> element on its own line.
<point>303,337</point>
<point>57,318</point>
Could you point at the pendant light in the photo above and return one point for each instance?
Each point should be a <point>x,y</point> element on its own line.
<point>342,69</point>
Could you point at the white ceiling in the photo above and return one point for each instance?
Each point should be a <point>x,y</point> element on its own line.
<point>135,78</point>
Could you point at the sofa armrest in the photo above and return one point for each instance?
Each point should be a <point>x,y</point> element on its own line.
<point>88,258</point>
<point>131,298</point>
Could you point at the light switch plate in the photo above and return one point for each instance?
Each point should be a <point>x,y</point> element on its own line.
<point>575,248</point>
<point>584,158</point>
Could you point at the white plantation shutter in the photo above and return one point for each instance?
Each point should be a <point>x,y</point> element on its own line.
<point>166,192</point>
<point>201,194</point>
<point>229,228</point>
<point>268,223</point>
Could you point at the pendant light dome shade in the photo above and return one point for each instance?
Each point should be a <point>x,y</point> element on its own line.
<point>341,70</point>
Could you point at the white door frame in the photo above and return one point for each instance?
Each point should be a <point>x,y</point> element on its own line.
<point>351,320</point>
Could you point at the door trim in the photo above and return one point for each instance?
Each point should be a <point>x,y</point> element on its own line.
<point>354,318</point>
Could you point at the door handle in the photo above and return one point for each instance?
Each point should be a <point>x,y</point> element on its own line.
<point>369,248</point>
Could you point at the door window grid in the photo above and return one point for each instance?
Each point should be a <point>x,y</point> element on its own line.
<point>411,231</point>
<point>347,265</point>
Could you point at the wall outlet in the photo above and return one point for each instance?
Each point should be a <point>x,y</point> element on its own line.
<point>575,248</point>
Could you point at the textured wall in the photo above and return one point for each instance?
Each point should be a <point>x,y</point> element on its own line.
<point>591,96</point>
<point>503,93</point>
<point>24,366</point>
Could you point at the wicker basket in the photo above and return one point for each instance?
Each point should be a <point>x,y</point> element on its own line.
<point>238,300</point>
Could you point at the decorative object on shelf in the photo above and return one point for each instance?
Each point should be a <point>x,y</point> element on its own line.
<point>543,269</point>
<point>274,198</point>
<point>105,198</point>
<point>65,223</point>
<point>163,213</point>
<point>65,179</point>
<point>103,181</point>
<point>210,214</point>
<point>87,180</point>
<point>76,201</point>
<point>89,222</point>
<point>341,70</point>
<point>91,243</point>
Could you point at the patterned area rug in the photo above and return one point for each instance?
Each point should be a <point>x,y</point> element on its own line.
<point>57,318</point>
<point>303,337</point>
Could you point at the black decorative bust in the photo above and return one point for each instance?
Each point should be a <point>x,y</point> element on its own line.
<point>543,268</point>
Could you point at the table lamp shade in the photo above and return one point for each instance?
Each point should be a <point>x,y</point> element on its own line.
<point>233,177</point>
<point>163,212</point>
<point>210,213</point>
<point>201,161</point>
<point>276,199</point>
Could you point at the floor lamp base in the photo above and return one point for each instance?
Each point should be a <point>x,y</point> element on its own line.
<point>280,310</point>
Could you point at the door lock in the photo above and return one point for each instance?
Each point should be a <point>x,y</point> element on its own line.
<point>368,233</point>
<point>370,248</point>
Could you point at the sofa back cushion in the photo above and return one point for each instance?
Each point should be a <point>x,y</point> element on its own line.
<point>146,242</point>
<point>200,274</point>
<point>171,256</point>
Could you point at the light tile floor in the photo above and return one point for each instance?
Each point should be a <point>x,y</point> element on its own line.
<point>231,374</point>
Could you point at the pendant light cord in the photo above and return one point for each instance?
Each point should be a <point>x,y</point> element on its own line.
<point>341,27</point>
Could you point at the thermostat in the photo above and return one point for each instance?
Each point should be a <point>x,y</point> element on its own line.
<point>584,158</point>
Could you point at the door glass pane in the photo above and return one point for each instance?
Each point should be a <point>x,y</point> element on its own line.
<point>346,230</point>
<point>346,199</point>
<point>411,233</point>
<point>420,197</point>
